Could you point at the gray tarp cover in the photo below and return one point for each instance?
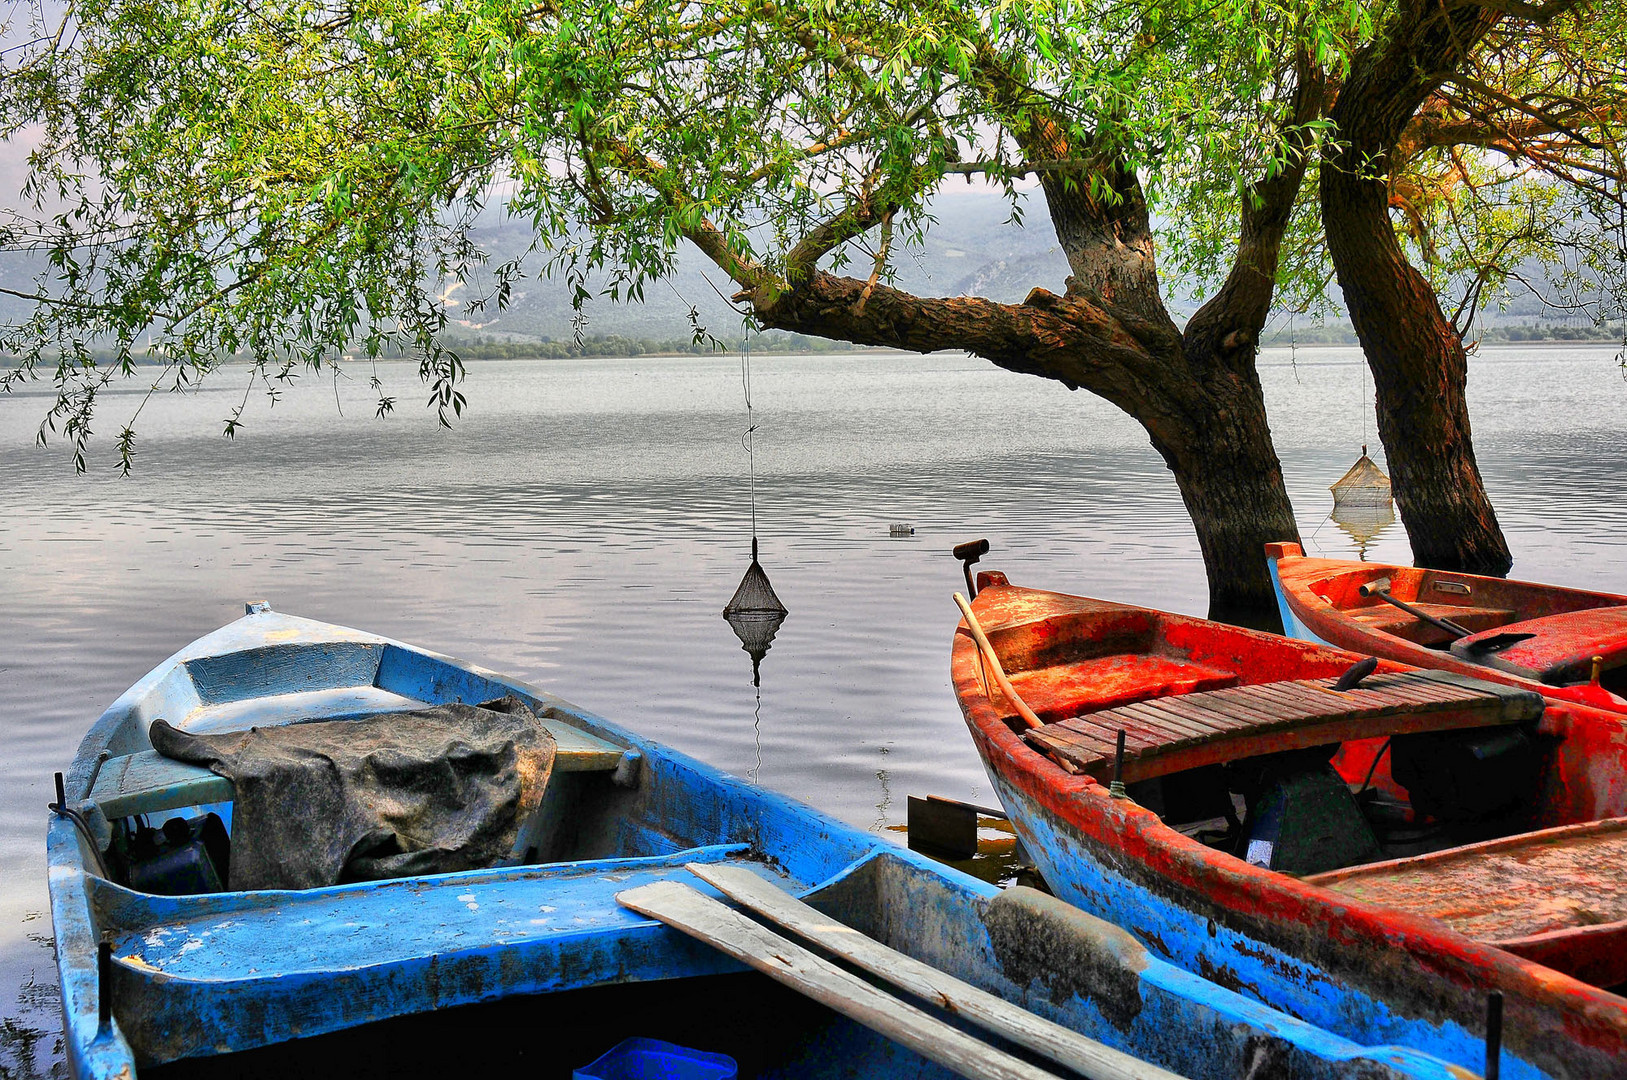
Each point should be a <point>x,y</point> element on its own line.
<point>381,796</point>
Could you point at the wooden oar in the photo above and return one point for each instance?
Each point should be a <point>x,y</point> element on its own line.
<point>1028,715</point>
<point>1062,1045</point>
<point>1381,589</point>
<point>730,932</point>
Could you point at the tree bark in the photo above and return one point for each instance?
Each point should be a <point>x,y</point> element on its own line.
<point>1420,368</point>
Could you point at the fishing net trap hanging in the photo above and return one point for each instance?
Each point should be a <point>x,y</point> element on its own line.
<point>1364,486</point>
<point>755,611</point>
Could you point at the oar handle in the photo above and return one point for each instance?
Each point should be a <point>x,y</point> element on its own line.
<point>1028,715</point>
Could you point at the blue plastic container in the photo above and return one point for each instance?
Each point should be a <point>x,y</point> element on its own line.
<point>652,1059</point>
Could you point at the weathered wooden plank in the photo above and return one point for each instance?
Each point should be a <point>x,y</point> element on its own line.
<point>1080,761</point>
<point>1518,705</point>
<point>1170,741</point>
<point>1107,725</point>
<point>1306,698</point>
<point>1558,896</point>
<point>730,932</point>
<point>1178,727</point>
<point>1231,708</point>
<point>1408,689</point>
<point>147,783</point>
<point>1055,735</point>
<point>1198,714</point>
<point>1082,735</point>
<point>1081,753</point>
<point>1295,694</point>
<point>1154,708</point>
<point>1168,734</point>
<point>1057,1043</point>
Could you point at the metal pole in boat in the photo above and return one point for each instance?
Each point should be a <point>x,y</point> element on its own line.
<point>1494,1034</point>
<point>1116,788</point>
<point>1381,589</point>
<point>104,982</point>
<point>968,553</point>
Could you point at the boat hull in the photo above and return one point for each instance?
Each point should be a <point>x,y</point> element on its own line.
<point>1370,974</point>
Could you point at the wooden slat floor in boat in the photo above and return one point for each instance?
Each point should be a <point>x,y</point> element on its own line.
<point>1507,889</point>
<point>1182,731</point>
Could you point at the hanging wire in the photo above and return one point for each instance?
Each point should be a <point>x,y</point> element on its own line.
<point>1621,257</point>
<point>1362,363</point>
<point>748,437</point>
<point>756,772</point>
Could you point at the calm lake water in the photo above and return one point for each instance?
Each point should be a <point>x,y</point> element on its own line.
<point>586,521</point>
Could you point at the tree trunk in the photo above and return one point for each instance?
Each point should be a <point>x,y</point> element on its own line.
<point>1232,485</point>
<point>1417,357</point>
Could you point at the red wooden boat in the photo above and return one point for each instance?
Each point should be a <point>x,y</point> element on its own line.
<point>1379,860</point>
<point>1567,644</point>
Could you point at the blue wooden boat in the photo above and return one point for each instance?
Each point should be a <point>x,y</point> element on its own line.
<point>181,978</point>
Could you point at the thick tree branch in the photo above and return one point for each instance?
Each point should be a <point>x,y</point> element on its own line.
<point>1469,82</point>
<point>1540,14</point>
<point>1227,328</point>
<point>1063,338</point>
<point>855,219</point>
<point>742,270</point>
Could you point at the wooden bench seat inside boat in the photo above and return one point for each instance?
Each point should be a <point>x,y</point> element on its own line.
<point>1392,620</point>
<point>148,782</point>
<point>1060,691</point>
<point>1174,733</point>
<point>1558,896</point>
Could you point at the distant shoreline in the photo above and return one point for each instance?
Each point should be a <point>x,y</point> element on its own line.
<point>617,347</point>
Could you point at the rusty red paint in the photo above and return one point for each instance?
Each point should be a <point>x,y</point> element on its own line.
<point>1568,627</point>
<point>1417,964</point>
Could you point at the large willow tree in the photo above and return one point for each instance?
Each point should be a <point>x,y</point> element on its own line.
<point>286,179</point>
<point>291,180</point>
